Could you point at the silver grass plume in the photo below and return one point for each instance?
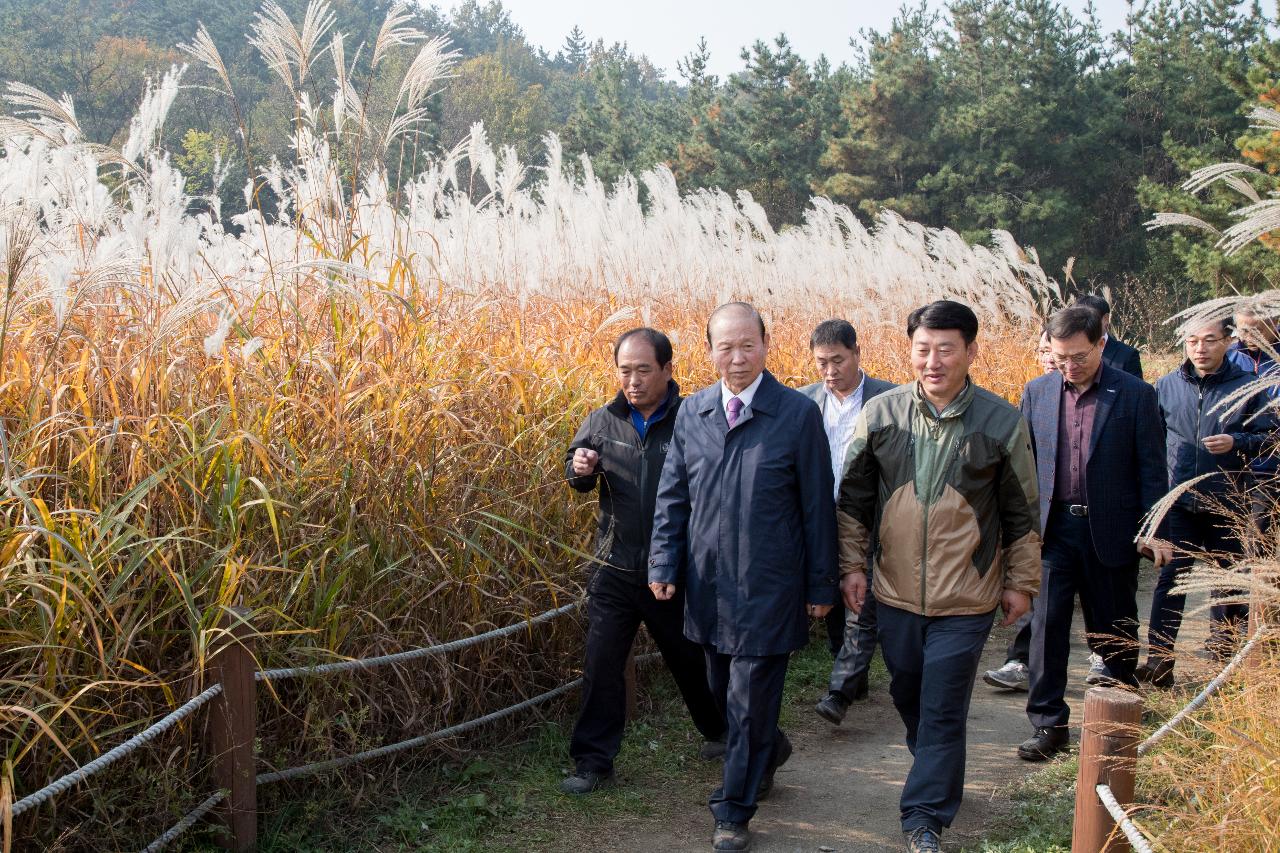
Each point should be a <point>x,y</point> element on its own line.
<point>203,50</point>
<point>1264,118</point>
<point>394,33</point>
<point>1256,220</point>
<point>429,67</point>
<point>1207,175</point>
<point>1166,220</point>
<point>151,114</point>
<point>283,47</point>
<point>45,113</point>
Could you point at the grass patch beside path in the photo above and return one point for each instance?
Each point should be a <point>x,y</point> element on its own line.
<point>507,798</point>
<point>1039,816</point>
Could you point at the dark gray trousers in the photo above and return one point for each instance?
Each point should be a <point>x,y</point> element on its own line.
<point>856,646</point>
<point>748,691</point>
<point>932,663</point>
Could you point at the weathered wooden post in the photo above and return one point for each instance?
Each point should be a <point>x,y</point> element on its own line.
<point>232,723</point>
<point>1108,756</point>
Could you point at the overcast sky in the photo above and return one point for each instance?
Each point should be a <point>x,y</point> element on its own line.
<point>666,30</point>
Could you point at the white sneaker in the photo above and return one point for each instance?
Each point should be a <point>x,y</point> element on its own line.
<point>1098,672</point>
<point>1012,676</point>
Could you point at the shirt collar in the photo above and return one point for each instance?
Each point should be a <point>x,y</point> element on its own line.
<point>855,394</point>
<point>1097,379</point>
<point>746,396</point>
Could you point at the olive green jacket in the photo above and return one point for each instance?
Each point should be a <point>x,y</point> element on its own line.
<point>956,496</point>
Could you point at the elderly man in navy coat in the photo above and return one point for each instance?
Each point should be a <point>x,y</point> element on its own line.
<point>746,523</point>
<point>1099,450</point>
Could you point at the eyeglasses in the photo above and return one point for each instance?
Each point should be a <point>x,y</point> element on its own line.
<point>1078,359</point>
<point>1208,340</point>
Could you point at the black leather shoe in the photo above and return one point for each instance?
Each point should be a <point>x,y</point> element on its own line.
<point>923,839</point>
<point>1156,673</point>
<point>731,836</point>
<point>832,707</point>
<point>1047,742</point>
<point>586,781</point>
<point>781,752</point>
<point>713,749</point>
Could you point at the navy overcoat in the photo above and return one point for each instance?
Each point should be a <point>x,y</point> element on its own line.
<point>745,520</point>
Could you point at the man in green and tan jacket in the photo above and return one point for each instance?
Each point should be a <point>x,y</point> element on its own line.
<point>948,469</point>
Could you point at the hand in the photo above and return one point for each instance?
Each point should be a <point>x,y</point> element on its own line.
<point>663,591</point>
<point>817,611</point>
<point>1015,605</point>
<point>853,589</point>
<point>584,461</point>
<point>1218,443</point>
<point>1158,550</point>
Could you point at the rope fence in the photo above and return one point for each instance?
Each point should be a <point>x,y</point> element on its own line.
<point>412,654</point>
<point>1109,750</point>
<point>1121,817</point>
<point>239,649</point>
<point>188,821</point>
<point>1210,688</point>
<point>105,760</point>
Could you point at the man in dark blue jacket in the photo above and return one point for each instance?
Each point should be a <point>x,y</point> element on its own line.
<point>1252,352</point>
<point>1203,438</point>
<point>745,524</point>
<point>619,450</point>
<point>1100,465</point>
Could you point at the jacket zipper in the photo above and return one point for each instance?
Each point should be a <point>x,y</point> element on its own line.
<point>948,466</point>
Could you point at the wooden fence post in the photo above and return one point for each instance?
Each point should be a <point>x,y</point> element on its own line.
<point>232,724</point>
<point>1108,756</point>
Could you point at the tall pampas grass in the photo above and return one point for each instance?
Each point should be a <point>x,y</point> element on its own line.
<point>349,416</point>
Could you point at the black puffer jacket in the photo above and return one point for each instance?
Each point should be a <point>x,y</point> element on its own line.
<point>1189,404</point>
<point>627,473</point>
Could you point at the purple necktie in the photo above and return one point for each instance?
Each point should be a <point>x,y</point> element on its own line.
<point>735,411</point>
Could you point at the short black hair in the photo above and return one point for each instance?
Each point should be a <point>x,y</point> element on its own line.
<point>1068,322</point>
<point>945,314</point>
<point>1223,324</point>
<point>661,344</point>
<point>745,307</point>
<point>834,333</point>
<point>1096,302</point>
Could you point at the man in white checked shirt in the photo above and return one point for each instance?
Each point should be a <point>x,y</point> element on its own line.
<point>840,395</point>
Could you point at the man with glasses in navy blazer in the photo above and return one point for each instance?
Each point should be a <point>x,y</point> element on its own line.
<point>1099,449</point>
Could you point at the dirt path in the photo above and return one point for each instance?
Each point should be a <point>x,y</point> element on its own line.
<point>839,791</point>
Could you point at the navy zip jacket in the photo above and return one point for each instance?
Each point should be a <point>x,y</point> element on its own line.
<point>1190,405</point>
<point>1259,363</point>
<point>627,473</point>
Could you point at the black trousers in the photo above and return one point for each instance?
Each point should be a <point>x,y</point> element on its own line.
<point>1194,532</point>
<point>1108,593</point>
<point>616,607</point>
<point>932,662</point>
<point>748,691</point>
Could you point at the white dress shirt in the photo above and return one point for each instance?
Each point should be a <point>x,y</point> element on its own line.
<point>746,396</point>
<point>838,417</point>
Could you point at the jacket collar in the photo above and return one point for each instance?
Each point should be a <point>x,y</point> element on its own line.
<point>619,406</point>
<point>955,409</point>
<point>1229,370</point>
<point>765,400</point>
